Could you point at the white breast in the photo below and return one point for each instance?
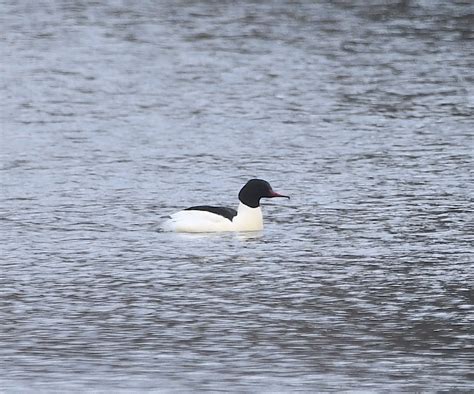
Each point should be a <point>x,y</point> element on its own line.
<point>247,219</point>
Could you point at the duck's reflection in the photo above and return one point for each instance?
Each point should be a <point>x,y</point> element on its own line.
<point>249,235</point>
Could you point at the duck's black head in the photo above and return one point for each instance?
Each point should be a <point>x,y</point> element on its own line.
<point>254,190</point>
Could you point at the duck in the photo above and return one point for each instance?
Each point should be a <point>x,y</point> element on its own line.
<point>207,218</point>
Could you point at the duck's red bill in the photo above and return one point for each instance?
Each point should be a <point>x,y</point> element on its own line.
<point>275,194</point>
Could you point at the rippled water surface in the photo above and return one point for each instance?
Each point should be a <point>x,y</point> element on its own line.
<point>117,113</point>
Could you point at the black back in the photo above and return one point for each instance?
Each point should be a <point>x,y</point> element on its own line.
<point>228,213</point>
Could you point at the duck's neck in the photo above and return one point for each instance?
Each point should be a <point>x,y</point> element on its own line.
<point>248,219</point>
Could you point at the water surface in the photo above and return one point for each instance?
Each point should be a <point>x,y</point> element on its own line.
<point>116,114</point>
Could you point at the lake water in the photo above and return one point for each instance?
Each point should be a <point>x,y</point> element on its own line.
<point>117,113</point>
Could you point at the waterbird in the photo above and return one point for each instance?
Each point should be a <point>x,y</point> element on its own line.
<point>206,218</point>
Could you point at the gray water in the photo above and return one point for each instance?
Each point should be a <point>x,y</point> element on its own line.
<point>115,114</point>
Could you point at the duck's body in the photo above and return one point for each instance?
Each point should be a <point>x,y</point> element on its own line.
<point>204,218</point>
<point>200,220</point>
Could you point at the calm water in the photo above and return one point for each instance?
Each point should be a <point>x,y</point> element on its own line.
<point>117,113</point>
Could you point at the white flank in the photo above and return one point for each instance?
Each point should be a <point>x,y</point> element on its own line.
<point>247,219</point>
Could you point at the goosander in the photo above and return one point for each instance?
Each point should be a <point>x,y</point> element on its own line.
<point>205,218</point>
